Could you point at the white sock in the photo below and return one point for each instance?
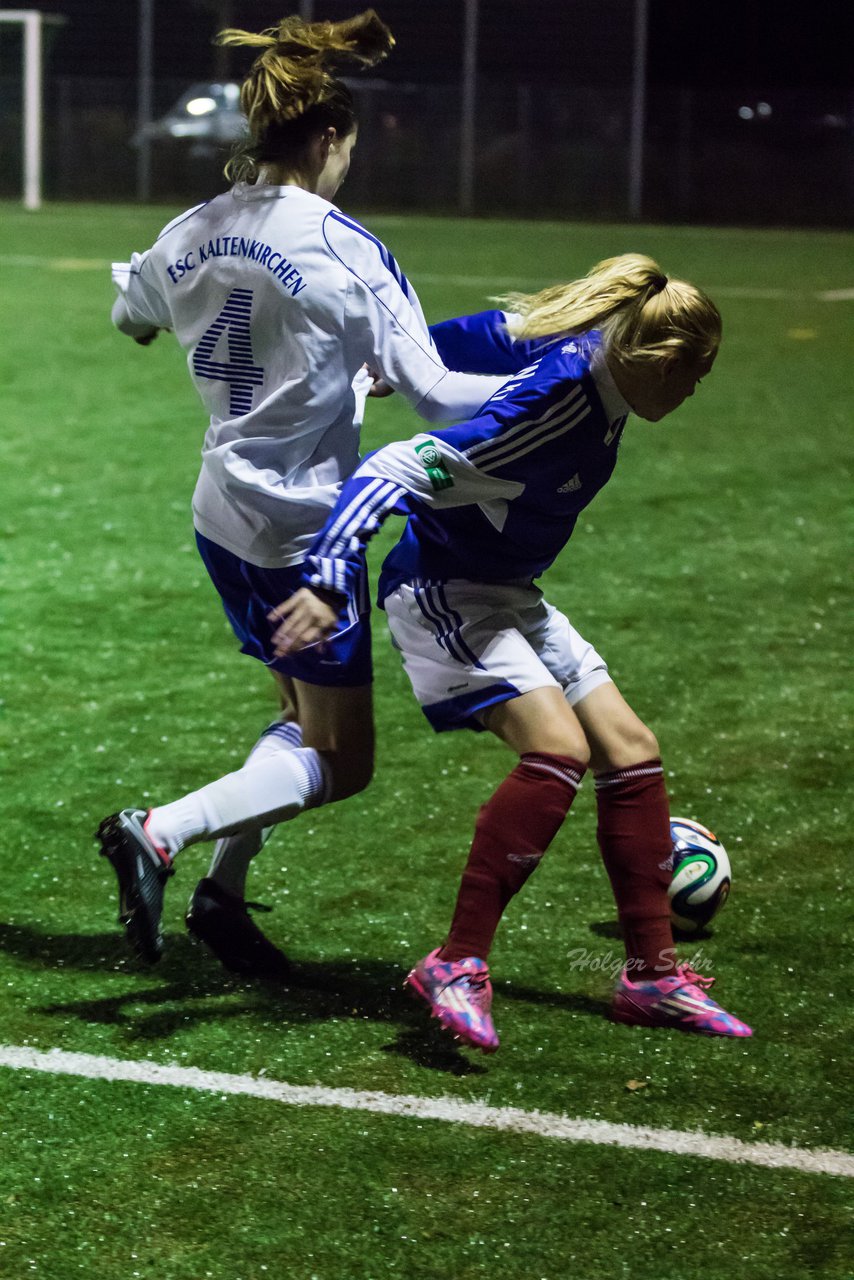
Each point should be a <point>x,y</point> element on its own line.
<point>270,789</point>
<point>233,854</point>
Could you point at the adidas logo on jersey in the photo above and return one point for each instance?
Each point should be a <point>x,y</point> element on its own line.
<point>571,485</point>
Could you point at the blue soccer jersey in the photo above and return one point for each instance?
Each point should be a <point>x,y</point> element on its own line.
<point>482,343</point>
<point>495,498</point>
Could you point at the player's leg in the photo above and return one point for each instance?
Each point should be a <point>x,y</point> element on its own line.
<point>634,837</point>
<point>245,591</point>
<point>514,828</point>
<point>233,854</point>
<point>333,733</point>
<point>633,826</point>
<point>516,825</point>
<point>333,727</point>
<point>287,697</point>
<point>279,779</point>
<point>281,776</point>
<point>337,724</point>
<point>277,782</point>
<point>218,914</point>
<point>465,649</point>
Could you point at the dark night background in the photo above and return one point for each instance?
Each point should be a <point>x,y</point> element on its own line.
<point>725,42</point>
<point>553,105</point>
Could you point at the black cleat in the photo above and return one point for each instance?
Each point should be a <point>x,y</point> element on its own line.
<point>142,874</point>
<point>222,921</point>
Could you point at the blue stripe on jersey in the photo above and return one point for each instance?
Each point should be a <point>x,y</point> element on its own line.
<point>386,255</point>
<point>181,219</point>
<point>173,226</point>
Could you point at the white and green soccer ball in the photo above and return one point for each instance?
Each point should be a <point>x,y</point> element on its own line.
<point>702,875</point>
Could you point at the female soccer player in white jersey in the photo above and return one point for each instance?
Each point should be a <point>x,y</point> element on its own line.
<point>279,300</point>
<point>490,504</point>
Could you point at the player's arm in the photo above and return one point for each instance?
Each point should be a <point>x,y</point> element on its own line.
<point>483,343</point>
<point>478,343</point>
<point>137,311</point>
<point>386,330</point>
<point>396,345</point>
<point>424,471</point>
<point>121,317</point>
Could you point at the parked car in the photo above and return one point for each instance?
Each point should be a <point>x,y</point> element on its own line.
<point>207,115</point>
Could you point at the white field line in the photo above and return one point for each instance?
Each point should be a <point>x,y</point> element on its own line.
<point>749,292</point>
<point>54,264</point>
<point>538,282</point>
<point>474,1114</point>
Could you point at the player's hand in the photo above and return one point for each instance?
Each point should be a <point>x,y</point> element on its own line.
<point>307,617</point>
<point>379,387</point>
<point>145,339</point>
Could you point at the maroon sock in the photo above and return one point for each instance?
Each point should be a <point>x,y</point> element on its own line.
<point>634,836</point>
<point>514,828</point>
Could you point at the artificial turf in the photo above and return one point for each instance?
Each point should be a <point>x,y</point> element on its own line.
<point>711,574</point>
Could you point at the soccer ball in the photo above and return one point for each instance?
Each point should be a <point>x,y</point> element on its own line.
<point>701,875</point>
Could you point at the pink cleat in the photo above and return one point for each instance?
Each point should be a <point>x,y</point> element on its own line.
<point>679,1001</point>
<point>459,994</point>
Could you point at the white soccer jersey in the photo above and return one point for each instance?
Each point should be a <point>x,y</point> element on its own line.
<point>279,299</point>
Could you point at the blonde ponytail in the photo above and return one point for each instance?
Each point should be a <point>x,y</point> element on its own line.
<point>642,314</point>
<point>290,81</point>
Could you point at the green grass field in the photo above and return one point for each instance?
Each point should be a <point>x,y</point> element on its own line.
<point>711,573</point>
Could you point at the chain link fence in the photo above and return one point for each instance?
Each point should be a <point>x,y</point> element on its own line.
<point>544,147</point>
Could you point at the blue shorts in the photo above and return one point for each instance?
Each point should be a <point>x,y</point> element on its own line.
<point>248,593</point>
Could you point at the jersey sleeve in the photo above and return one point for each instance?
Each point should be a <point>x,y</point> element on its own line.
<point>481,343</point>
<point>426,470</point>
<point>143,304</point>
<point>385,329</point>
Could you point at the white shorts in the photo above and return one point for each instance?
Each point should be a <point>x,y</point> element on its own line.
<point>468,645</point>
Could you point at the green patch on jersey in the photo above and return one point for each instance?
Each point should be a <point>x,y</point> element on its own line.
<point>431,459</point>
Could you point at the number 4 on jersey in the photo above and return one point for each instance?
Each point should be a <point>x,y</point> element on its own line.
<point>241,374</point>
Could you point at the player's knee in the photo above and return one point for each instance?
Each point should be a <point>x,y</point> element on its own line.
<point>564,743</point>
<point>579,749</point>
<point>635,744</point>
<point>644,744</point>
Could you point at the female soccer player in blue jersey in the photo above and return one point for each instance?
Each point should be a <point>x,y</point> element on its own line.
<point>490,504</point>
<point>279,301</point>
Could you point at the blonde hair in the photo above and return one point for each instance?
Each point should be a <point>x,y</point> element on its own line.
<point>290,93</point>
<point>642,314</point>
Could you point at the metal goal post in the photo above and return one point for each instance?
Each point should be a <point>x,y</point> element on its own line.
<point>33,22</point>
